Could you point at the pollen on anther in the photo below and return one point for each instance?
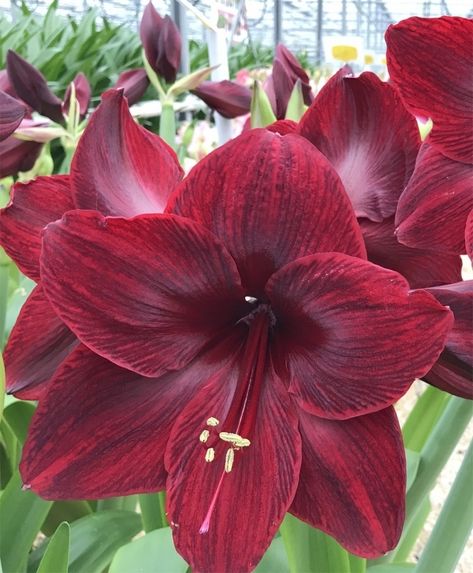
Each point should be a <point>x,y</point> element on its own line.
<point>210,455</point>
<point>213,422</point>
<point>229,457</point>
<point>204,436</point>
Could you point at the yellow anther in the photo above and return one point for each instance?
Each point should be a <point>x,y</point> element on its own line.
<point>229,457</point>
<point>213,422</point>
<point>210,455</point>
<point>234,439</point>
<point>204,436</point>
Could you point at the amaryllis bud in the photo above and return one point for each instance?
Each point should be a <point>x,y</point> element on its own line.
<point>134,83</point>
<point>17,155</point>
<point>286,71</point>
<point>162,43</point>
<point>11,114</point>
<point>31,87</point>
<point>226,97</point>
<point>83,93</point>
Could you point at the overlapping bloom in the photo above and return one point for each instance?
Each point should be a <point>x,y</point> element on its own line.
<point>238,341</point>
<point>119,168</point>
<point>430,63</point>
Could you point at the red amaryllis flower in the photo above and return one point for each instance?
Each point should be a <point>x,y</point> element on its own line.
<point>362,127</point>
<point>119,168</point>
<point>11,114</point>
<point>267,341</point>
<point>17,155</point>
<point>161,42</point>
<point>32,88</point>
<point>134,83</point>
<point>228,98</point>
<point>430,63</point>
<point>286,71</point>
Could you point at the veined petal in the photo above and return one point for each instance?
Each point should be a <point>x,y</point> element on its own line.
<point>362,127</point>
<point>283,126</point>
<point>458,354</point>
<point>469,235</point>
<point>259,487</point>
<point>120,168</point>
<point>229,99</point>
<point>17,155</point>
<point>353,480</point>
<point>351,338</point>
<point>32,206</point>
<point>37,346</point>
<point>429,62</point>
<point>421,267</point>
<point>147,293</point>
<point>101,430</point>
<point>32,88</point>
<point>433,209</point>
<point>11,113</point>
<point>281,200</point>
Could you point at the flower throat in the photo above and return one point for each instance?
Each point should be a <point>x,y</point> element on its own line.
<point>233,435</point>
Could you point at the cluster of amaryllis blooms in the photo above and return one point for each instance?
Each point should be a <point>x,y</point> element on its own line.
<point>239,336</point>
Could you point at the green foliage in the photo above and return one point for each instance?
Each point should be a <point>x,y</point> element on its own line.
<point>61,47</point>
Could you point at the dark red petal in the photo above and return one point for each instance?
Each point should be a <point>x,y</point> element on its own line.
<point>433,209</point>
<point>120,168</point>
<point>469,235</point>
<point>150,30</point>
<point>229,99</point>
<point>458,354</point>
<point>362,127</point>
<point>32,206</point>
<point>429,62</point>
<point>270,199</point>
<point>147,293</point>
<point>295,70</point>
<point>353,480</point>
<point>421,267</point>
<point>283,126</point>
<point>11,113</point>
<point>31,87</point>
<point>6,85</point>
<point>352,339</point>
<point>83,93</point>
<point>253,497</point>
<point>169,51</point>
<point>38,344</point>
<point>281,83</point>
<point>134,83</point>
<point>17,155</point>
<point>101,430</point>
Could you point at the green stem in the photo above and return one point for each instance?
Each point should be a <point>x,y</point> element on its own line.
<point>453,527</point>
<point>150,505</point>
<point>167,122</point>
<point>423,417</point>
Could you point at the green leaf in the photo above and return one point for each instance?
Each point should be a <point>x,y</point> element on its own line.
<point>261,110</point>
<point>24,512</point>
<point>64,511</point>
<point>311,550</point>
<point>56,556</point>
<point>95,540</point>
<point>393,568</point>
<point>295,106</point>
<point>153,513</point>
<point>153,553</point>
<point>412,460</point>
<point>410,535</point>
<point>453,527</point>
<point>2,386</point>
<point>275,559</point>
<point>18,416</point>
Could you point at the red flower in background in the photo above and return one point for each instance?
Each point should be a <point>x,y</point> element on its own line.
<point>228,98</point>
<point>161,42</point>
<point>119,168</point>
<point>11,114</point>
<point>430,63</point>
<point>256,342</point>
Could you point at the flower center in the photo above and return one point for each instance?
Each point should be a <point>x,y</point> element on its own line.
<point>232,436</point>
